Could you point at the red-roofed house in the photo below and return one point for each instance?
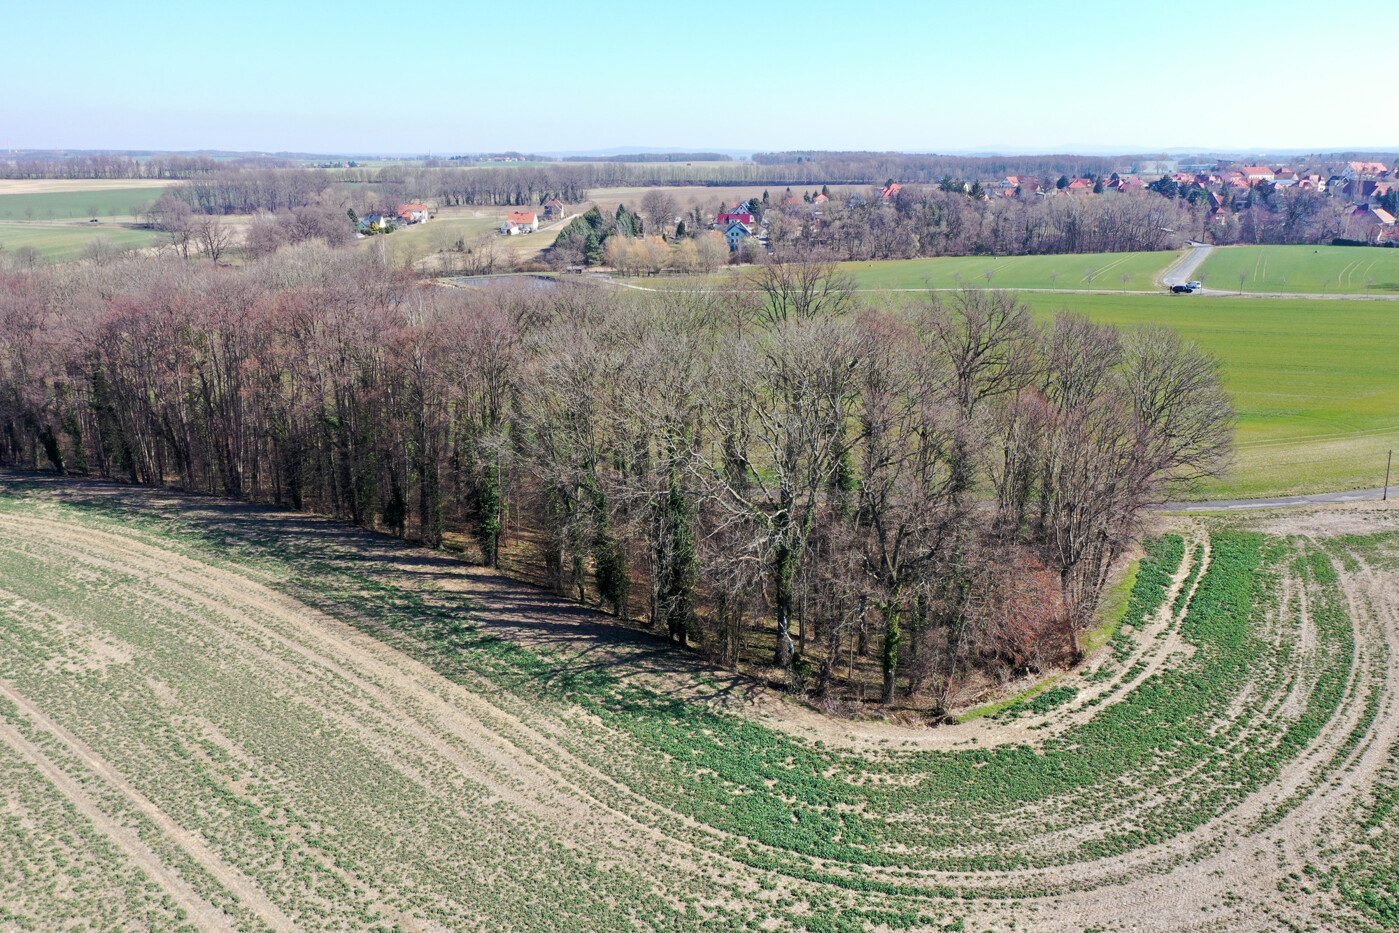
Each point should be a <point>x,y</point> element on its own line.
<point>413,213</point>
<point>1377,215</point>
<point>520,222</point>
<point>892,191</point>
<point>1080,184</point>
<point>743,217</point>
<point>1256,173</point>
<point>553,209</point>
<point>1354,170</point>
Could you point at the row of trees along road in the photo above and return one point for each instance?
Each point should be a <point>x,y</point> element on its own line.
<point>912,495</point>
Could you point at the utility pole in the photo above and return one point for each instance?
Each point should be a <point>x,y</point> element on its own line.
<point>1390,463</point>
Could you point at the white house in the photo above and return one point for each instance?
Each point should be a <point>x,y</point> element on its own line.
<point>520,222</point>
<point>736,232</point>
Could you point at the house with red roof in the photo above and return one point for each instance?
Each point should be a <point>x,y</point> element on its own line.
<point>553,209</point>
<point>892,192</point>
<point>1364,170</point>
<point>520,222</point>
<point>413,213</point>
<point>1253,174</point>
<point>1080,184</point>
<point>728,217</point>
<point>1377,215</point>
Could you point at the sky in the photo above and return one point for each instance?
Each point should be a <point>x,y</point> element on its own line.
<point>543,75</point>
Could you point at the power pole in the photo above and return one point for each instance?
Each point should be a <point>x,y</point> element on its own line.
<point>1390,463</point>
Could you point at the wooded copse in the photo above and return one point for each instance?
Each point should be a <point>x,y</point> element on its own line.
<point>786,478</point>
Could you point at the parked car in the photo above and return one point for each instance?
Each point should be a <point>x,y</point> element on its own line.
<point>1181,289</point>
<point>1194,284</point>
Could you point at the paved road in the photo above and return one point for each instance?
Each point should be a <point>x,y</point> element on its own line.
<point>1184,270</point>
<point>1230,505</point>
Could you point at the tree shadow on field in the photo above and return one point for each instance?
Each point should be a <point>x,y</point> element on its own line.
<point>573,640</point>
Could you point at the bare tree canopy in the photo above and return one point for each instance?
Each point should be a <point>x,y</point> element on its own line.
<point>798,484</point>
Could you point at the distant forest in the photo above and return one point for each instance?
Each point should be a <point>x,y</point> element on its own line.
<point>655,157</point>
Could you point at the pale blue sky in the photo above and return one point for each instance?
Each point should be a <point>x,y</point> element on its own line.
<point>549,75</point>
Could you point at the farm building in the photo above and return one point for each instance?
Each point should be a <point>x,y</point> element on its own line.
<point>413,213</point>
<point>553,209</point>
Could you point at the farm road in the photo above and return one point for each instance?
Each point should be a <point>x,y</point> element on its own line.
<point>1184,270</point>
<point>1232,505</point>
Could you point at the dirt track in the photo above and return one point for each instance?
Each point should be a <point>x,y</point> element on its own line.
<point>541,770</point>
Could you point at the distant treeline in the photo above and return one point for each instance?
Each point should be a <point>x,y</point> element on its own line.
<point>925,221</point>
<point>121,166</point>
<point>655,157</point>
<point>236,191</point>
<point>876,167</point>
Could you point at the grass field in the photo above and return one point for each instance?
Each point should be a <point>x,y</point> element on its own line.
<point>465,223</point>
<point>1308,269</point>
<point>1092,271</point>
<point>75,204</point>
<point>1315,382</point>
<point>62,242</point>
<point>218,717</point>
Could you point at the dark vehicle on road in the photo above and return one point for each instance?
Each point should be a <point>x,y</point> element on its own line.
<point>1181,289</point>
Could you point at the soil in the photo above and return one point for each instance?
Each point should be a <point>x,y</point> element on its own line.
<point>1224,875</point>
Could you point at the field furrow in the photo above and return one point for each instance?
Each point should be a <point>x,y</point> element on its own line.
<point>287,725</point>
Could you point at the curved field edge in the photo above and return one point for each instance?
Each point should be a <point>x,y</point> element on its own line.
<point>1158,762</point>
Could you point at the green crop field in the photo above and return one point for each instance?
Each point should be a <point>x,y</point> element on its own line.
<point>62,242</point>
<point>1315,382</point>
<point>214,716</point>
<point>75,205</point>
<point>1345,270</point>
<point>1090,271</point>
